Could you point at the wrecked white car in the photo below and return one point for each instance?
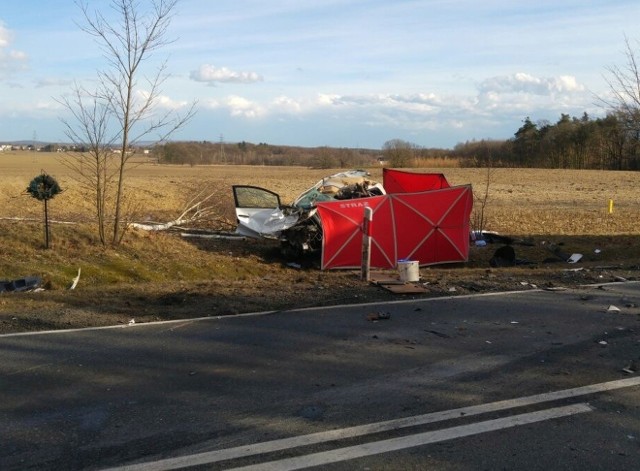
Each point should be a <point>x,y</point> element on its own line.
<point>261,214</point>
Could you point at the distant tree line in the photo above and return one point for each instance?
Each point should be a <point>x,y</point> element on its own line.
<point>245,153</point>
<point>395,153</point>
<point>607,143</point>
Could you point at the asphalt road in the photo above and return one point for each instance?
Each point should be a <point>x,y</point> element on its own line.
<point>530,380</point>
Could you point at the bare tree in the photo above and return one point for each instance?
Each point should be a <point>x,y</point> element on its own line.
<point>92,166</point>
<point>481,197</point>
<point>624,87</point>
<point>398,152</point>
<point>121,111</point>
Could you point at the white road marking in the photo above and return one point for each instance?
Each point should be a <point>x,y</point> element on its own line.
<point>411,441</point>
<point>360,430</point>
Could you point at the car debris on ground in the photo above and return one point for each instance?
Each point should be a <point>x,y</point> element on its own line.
<point>378,316</point>
<point>29,283</point>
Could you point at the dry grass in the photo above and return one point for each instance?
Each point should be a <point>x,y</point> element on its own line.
<point>159,276</point>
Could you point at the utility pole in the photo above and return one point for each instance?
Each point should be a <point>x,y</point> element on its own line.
<point>34,145</point>
<point>221,156</point>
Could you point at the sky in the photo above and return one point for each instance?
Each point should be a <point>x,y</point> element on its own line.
<point>338,73</point>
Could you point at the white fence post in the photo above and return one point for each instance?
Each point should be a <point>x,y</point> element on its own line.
<point>366,244</point>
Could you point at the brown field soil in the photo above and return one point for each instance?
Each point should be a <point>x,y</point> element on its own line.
<point>161,276</point>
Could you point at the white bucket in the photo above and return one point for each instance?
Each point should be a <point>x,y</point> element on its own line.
<point>409,270</point>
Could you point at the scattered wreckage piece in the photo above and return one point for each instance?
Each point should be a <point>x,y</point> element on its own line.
<point>631,367</point>
<point>565,257</point>
<point>504,256</point>
<point>378,316</point>
<point>395,285</point>
<point>75,281</point>
<point>490,237</point>
<point>211,235</point>
<point>483,237</point>
<point>29,283</point>
<point>404,288</point>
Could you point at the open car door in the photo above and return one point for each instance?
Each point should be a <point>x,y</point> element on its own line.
<point>259,212</point>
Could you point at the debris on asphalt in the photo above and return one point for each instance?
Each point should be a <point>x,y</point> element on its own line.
<point>378,316</point>
<point>629,370</point>
<point>439,334</point>
<point>613,308</point>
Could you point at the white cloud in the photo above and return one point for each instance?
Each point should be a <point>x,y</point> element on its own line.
<point>238,106</point>
<point>520,94</point>
<point>419,103</point>
<point>491,111</point>
<point>5,36</point>
<point>17,55</point>
<point>166,102</point>
<point>525,83</point>
<point>325,99</point>
<point>48,105</point>
<point>211,74</point>
<point>53,82</point>
<point>286,104</point>
<point>10,59</point>
<point>162,101</point>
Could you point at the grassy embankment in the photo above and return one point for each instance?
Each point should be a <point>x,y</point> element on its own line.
<point>552,204</point>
